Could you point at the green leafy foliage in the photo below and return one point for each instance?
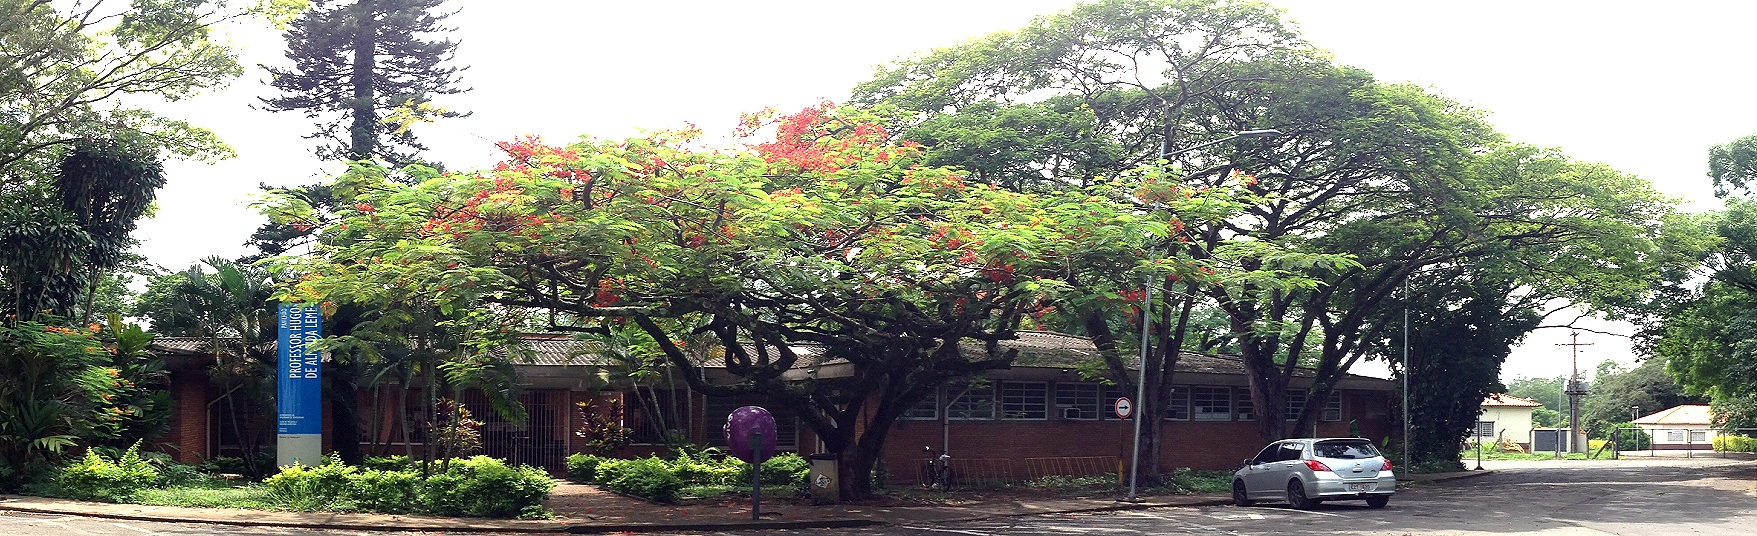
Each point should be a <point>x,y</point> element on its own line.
<point>1727,443</point>
<point>486,487</point>
<point>393,491</point>
<point>649,478</point>
<point>583,467</point>
<point>303,488</point>
<point>95,477</point>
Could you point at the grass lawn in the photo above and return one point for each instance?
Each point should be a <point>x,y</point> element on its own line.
<point>217,494</point>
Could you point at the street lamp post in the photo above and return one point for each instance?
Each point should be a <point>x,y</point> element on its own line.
<point>1165,153</point>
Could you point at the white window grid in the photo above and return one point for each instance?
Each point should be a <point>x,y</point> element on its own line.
<point>1211,403</point>
<point>925,410</point>
<point>1177,408</point>
<point>1108,397</point>
<point>1247,408</point>
<point>976,404</point>
<point>1333,407</point>
<point>1081,396</point>
<point>1485,429</point>
<point>1025,400</point>
<point>1296,403</point>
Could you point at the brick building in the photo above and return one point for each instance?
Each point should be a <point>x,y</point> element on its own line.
<point>1012,423</point>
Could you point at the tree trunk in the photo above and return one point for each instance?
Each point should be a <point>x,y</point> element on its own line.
<point>363,132</point>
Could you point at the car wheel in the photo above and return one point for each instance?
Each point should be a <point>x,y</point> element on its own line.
<point>1296,496</point>
<point>1239,496</point>
<point>1379,501</point>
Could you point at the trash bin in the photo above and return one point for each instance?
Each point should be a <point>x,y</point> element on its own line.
<point>823,479</point>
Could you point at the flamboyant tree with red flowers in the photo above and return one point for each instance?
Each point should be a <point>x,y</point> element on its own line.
<point>824,234</point>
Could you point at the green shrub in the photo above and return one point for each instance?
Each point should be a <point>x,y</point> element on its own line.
<point>390,492</point>
<point>1735,444</point>
<point>583,467</point>
<point>649,478</point>
<point>311,488</point>
<point>486,487</point>
<point>97,478</point>
<point>389,463</point>
<point>707,469</point>
<point>180,474</point>
<point>787,469</point>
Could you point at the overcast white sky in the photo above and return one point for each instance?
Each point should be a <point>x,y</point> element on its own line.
<point>1642,87</point>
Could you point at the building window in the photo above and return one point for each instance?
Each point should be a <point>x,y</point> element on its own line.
<point>1699,437</point>
<point>1077,400</point>
<point>1110,394</point>
<point>1211,403</point>
<point>716,410</point>
<point>1333,407</point>
<point>974,404</point>
<point>1247,408</point>
<point>925,410</point>
<point>1178,408</point>
<point>1296,403</point>
<point>1024,400</point>
<point>1674,435</point>
<point>1485,429</point>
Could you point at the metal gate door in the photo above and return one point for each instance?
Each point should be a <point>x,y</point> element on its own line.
<point>538,441</point>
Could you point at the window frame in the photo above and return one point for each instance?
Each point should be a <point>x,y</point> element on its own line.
<point>1206,393</point>
<point>1042,402</point>
<point>965,403</point>
<point>1244,407</point>
<point>1479,429</point>
<point>1332,403</point>
<point>933,399</point>
<point>1172,402</point>
<point>1296,403</point>
<point>1077,398</point>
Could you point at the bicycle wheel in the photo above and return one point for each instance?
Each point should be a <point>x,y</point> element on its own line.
<point>927,475</point>
<point>946,478</point>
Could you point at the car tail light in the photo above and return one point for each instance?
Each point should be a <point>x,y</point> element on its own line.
<point>1386,467</point>
<point>1316,465</point>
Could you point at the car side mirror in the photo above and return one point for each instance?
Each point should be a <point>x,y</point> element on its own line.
<point>1249,462</point>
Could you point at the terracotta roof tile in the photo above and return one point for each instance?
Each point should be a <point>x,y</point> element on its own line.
<point>1697,414</point>
<point>1509,401</point>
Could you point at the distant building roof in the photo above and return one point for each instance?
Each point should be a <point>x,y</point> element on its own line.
<point>1500,400</point>
<point>1696,414</point>
<point>1037,349</point>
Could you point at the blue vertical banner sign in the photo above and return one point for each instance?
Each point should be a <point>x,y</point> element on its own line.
<point>299,391</point>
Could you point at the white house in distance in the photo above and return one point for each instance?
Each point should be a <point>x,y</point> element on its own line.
<point>1689,426</point>
<point>1506,417</point>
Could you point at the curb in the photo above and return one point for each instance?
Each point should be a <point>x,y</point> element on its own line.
<point>539,527</point>
<point>1451,476</point>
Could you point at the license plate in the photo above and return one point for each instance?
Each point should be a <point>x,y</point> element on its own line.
<point>1360,487</point>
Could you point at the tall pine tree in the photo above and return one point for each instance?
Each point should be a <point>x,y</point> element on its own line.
<point>354,62</point>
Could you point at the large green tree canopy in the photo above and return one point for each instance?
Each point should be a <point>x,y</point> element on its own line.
<point>1401,178</point>
<point>828,235</point>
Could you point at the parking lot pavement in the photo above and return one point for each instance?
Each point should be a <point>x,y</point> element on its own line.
<point>1555,498</point>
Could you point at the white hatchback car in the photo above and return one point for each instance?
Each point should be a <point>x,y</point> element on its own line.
<point>1305,472</point>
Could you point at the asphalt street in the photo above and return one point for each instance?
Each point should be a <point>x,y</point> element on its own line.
<point>1660,496</point>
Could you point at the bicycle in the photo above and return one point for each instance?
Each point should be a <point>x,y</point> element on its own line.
<point>937,471</point>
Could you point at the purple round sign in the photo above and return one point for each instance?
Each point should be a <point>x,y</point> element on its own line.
<point>743,422</point>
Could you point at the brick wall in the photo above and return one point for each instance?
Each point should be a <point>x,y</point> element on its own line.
<point>187,440</point>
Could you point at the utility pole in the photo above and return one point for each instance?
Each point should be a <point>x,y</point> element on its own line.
<point>1574,389</point>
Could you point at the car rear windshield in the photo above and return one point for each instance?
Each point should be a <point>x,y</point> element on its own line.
<point>1345,450</point>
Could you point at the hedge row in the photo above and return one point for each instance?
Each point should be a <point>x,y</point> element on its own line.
<point>660,480</point>
<point>477,487</point>
<point>1735,444</point>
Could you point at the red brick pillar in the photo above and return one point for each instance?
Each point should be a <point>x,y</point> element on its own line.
<point>189,415</point>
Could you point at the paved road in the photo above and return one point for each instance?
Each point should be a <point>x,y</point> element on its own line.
<point>1631,497</point>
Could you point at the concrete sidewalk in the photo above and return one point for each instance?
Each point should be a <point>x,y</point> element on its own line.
<point>689,518</point>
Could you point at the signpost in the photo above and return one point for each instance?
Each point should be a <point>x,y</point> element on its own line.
<point>750,433</point>
<point>299,389</point>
